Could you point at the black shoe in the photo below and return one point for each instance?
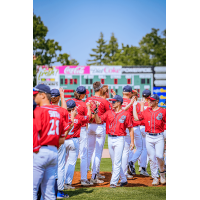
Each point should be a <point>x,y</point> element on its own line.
<point>123,184</point>
<point>131,168</point>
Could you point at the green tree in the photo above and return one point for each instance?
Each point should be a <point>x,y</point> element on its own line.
<point>44,50</point>
<point>154,46</point>
<point>74,62</point>
<point>98,57</point>
<point>111,50</point>
<point>63,59</point>
<point>129,56</point>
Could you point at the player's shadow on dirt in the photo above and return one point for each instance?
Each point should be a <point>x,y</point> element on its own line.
<point>78,191</point>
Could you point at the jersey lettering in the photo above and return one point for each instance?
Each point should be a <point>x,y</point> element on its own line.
<point>54,114</point>
<point>53,130</point>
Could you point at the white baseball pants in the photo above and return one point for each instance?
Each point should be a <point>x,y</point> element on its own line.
<point>93,155</point>
<point>96,139</point>
<point>116,147</point>
<point>125,155</point>
<point>155,150</point>
<point>61,166</point>
<point>72,149</point>
<point>44,169</point>
<point>143,158</point>
<point>83,150</point>
<point>138,144</point>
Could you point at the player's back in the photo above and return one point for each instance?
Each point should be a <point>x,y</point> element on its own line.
<point>63,111</point>
<point>103,104</point>
<point>49,123</point>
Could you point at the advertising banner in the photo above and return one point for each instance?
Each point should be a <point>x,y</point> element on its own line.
<point>135,69</point>
<point>73,70</point>
<point>161,92</point>
<point>48,76</point>
<point>105,70</point>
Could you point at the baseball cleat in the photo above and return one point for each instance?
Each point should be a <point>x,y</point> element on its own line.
<point>68,187</point>
<point>112,186</point>
<point>123,184</point>
<point>99,176</point>
<point>162,178</point>
<point>96,180</point>
<point>144,172</point>
<point>86,183</point>
<point>155,182</point>
<point>61,195</point>
<point>140,169</point>
<point>131,168</point>
<point>129,176</point>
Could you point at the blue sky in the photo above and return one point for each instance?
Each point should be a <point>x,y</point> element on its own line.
<point>76,24</point>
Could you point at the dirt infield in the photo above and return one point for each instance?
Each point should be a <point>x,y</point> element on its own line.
<point>137,181</point>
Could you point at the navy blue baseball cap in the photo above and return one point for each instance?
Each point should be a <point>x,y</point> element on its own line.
<point>71,104</point>
<point>127,88</point>
<point>82,90</point>
<point>146,93</point>
<point>117,98</point>
<point>34,105</point>
<point>42,88</point>
<point>55,93</point>
<point>154,97</point>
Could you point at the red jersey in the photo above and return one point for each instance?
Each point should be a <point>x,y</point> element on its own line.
<point>154,120</point>
<point>126,101</point>
<point>81,107</point>
<point>63,111</point>
<point>79,121</point>
<point>137,123</point>
<point>103,105</point>
<point>146,105</point>
<point>36,138</point>
<point>50,125</point>
<point>117,122</point>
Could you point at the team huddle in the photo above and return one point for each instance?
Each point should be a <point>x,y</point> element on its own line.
<point>61,133</point>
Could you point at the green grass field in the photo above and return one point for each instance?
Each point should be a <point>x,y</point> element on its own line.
<point>138,193</point>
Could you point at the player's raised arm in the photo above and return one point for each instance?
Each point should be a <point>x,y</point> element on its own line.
<point>89,113</point>
<point>135,115</point>
<point>129,105</point>
<point>63,103</point>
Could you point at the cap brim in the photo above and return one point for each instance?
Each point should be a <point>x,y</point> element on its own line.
<point>35,92</point>
<point>152,99</point>
<point>112,100</point>
<point>87,92</point>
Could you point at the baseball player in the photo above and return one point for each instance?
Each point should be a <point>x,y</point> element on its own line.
<point>127,90</point>
<point>137,135</point>
<point>36,137</point>
<point>72,141</point>
<point>55,97</point>
<point>96,132</point>
<point>143,159</point>
<point>83,139</point>
<point>136,110</point>
<point>51,127</point>
<point>118,120</point>
<point>104,94</point>
<point>155,120</point>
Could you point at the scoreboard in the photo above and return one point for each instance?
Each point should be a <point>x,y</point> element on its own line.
<point>116,77</point>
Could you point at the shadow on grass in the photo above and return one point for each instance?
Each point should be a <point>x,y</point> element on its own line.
<point>78,191</point>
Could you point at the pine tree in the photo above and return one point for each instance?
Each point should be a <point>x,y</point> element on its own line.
<point>111,50</point>
<point>99,52</point>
